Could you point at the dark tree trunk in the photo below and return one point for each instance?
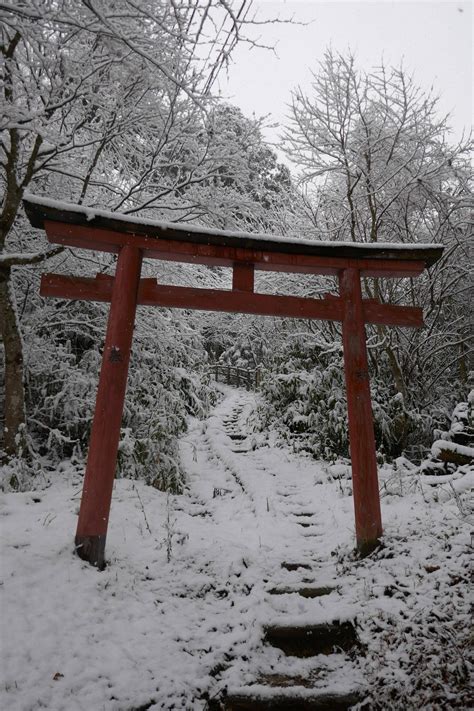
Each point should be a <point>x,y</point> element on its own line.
<point>14,405</point>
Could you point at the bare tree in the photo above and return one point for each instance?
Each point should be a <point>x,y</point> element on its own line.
<point>102,104</point>
<point>376,164</point>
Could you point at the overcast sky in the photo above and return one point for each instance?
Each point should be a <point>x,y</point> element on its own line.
<point>434,40</point>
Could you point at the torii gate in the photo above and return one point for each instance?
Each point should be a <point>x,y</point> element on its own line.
<point>132,239</point>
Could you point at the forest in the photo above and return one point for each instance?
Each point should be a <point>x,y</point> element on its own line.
<point>113,106</point>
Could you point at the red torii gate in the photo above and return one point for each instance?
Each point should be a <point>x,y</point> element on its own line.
<point>134,239</point>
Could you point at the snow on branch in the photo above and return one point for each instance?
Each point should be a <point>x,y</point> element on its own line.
<point>17,259</point>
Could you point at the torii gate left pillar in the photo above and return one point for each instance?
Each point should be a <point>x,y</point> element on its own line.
<point>109,232</point>
<point>105,434</point>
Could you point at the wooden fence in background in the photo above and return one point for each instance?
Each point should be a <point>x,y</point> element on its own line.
<point>238,377</point>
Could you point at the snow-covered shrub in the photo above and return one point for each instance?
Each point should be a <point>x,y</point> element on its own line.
<point>305,399</point>
<point>165,384</point>
<point>398,428</point>
<point>238,340</point>
<point>60,392</point>
<point>159,398</point>
<point>452,453</point>
<point>433,647</point>
<point>309,408</point>
<point>243,355</point>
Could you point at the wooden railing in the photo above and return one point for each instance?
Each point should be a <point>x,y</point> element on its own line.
<point>238,377</point>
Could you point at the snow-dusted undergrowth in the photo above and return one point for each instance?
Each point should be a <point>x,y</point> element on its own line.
<point>178,613</point>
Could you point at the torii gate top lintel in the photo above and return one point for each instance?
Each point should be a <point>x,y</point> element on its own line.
<point>132,239</point>
<point>108,231</point>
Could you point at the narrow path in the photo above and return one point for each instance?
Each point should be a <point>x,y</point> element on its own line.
<point>277,510</point>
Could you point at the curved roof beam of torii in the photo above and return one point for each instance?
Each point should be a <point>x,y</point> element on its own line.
<point>77,226</point>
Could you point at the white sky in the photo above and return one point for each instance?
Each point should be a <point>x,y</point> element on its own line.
<point>434,40</point>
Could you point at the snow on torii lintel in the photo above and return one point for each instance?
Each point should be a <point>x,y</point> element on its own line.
<point>39,209</point>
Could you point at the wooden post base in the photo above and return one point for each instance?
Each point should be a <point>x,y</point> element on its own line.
<point>365,548</point>
<point>91,549</point>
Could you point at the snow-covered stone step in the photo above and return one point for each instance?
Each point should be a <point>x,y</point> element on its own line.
<point>307,605</point>
<point>308,591</point>
<point>308,640</point>
<point>306,570</point>
<point>296,698</point>
<point>296,566</point>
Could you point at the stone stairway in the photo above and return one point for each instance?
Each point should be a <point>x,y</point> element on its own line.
<point>309,665</point>
<point>323,687</point>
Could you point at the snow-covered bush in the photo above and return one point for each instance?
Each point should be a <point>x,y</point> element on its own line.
<point>452,453</point>
<point>309,408</point>
<point>305,399</point>
<point>158,401</point>
<point>166,383</point>
<point>60,393</point>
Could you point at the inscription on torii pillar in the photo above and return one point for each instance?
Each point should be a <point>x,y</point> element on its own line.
<point>133,241</point>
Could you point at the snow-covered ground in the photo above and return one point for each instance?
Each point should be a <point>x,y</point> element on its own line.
<point>178,614</point>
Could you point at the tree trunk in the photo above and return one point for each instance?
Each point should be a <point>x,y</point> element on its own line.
<point>463,364</point>
<point>14,406</point>
<point>397,373</point>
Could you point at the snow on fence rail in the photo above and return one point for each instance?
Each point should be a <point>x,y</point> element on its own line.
<point>238,377</point>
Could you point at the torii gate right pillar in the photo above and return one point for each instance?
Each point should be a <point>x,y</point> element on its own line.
<point>368,519</point>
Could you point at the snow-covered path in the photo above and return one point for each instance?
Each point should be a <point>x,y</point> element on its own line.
<point>262,494</point>
<point>277,515</point>
<point>256,523</point>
